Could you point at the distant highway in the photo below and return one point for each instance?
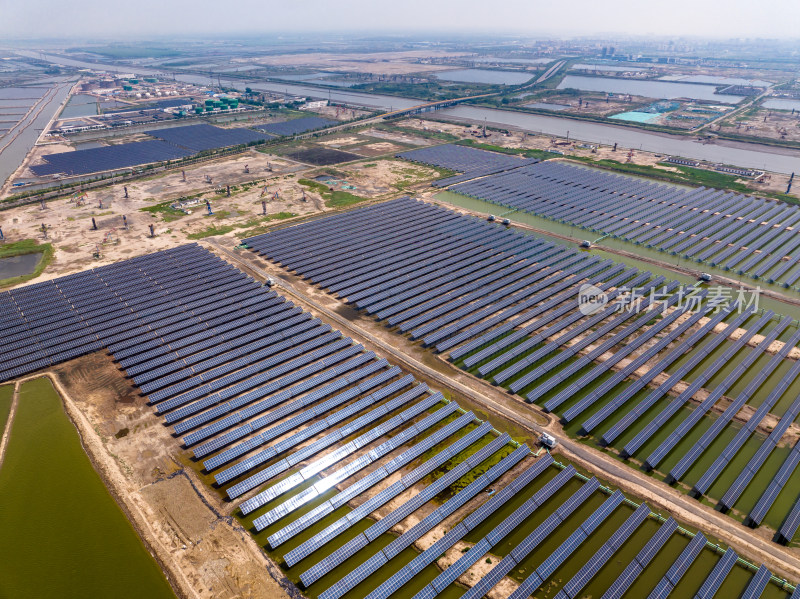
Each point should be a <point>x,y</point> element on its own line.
<point>743,154</point>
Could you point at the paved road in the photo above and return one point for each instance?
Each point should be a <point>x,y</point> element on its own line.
<point>736,110</point>
<point>657,494</point>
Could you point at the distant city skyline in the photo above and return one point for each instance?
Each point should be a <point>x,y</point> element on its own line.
<point>91,18</point>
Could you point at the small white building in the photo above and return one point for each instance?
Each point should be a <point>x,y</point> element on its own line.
<point>548,441</point>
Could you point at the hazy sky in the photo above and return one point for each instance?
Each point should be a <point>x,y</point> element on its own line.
<point>107,18</point>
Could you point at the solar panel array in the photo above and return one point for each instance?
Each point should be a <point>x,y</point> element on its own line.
<point>231,364</point>
<point>57,320</point>
<point>471,162</point>
<point>106,158</point>
<point>199,138</point>
<point>556,559</point>
<point>717,576</point>
<point>577,583</point>
<point>504,305</point>
<point>679,567</point>
<point>732,231</point>
<point>542,532</point>
<point>296,126</point>
<point>170,144</point>
<point>638,564</point>
<point>507,526</point>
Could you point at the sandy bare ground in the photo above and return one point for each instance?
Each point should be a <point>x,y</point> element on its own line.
<point>766,123</point>
<point>70,225</point>
<point>378,63</point>
<point>9,421</point>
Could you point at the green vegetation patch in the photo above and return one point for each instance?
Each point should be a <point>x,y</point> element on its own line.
<point>254,226</point>
<point>26,246</point>
<point>211,231</point>
<point>333,199</point>
<point>165,210</point>
<point>257,226</point>
<point>63,534</point>
<point>686,175</point>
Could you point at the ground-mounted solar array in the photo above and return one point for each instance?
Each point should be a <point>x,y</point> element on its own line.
<point>82,162</point>
<point>297,126</point>
<point>660,372</point>
<point>739,233</point>
<point>199,138</point>
<point>159,104</point>
<point>295,421</point>
<point>470,162</point>
<point>54,321</point>
<point>171,144</point>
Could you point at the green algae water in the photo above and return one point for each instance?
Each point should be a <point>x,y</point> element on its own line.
<point>63,535</point>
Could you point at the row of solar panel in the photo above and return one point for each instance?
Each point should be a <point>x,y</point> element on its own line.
<point>724,229</point>
<point>170,144</point>
<point>479,310</point>
<point>399,438</point>
<point>376,501</point>
<point>464,159</point>
<point>80,310</point>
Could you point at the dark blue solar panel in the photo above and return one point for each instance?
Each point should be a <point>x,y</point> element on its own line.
<point>199,138</point>
<point>81,162</point>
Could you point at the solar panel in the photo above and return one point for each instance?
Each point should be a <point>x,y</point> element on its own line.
<point>198,138</point>
<point>572,589</point>
<point>686,425</point>
<point>413,504</point>
<point>82,162</point>
<point>717,576</point>
<point>342,474</point>
<point>758,583</point>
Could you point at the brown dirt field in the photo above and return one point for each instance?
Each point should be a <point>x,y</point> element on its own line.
<point>387,176</point>
<point>340,142</point>
<point>766,123</point>
<point>377,149</point>
<point>398,137</point>
<point>69,225</point>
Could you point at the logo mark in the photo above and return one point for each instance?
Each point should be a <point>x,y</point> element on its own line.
<point>591,299</point>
